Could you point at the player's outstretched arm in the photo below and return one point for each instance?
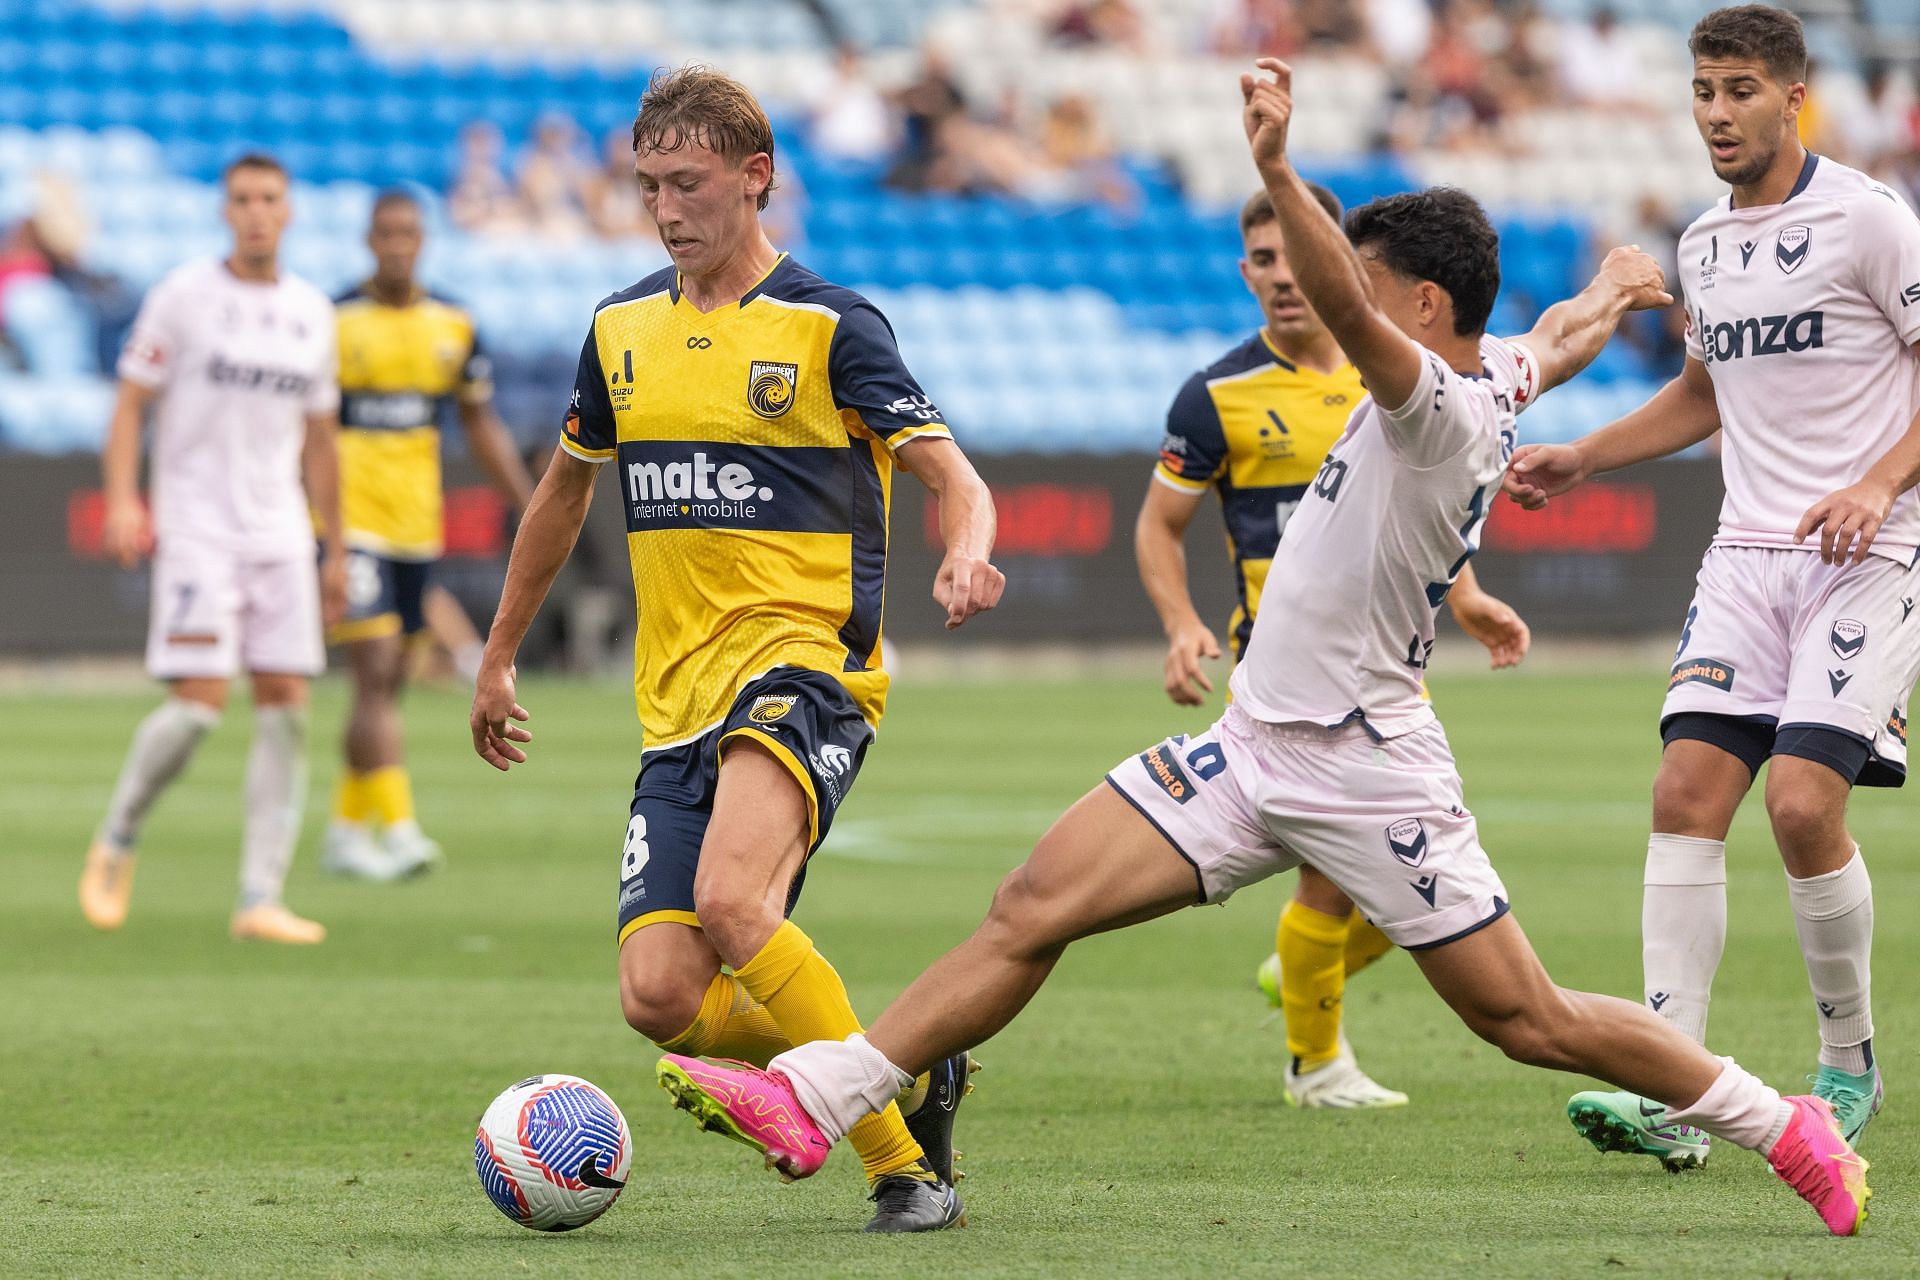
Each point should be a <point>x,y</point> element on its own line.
<point>1159,548</point>
<point>127,532</point>
<point>967,582</point>
<point>1489,619</point>
<point>1325,266</point>
<point>546,538</point>
<point>1570,334</point>
<point>1858,511</point>
<point>1680,414</point>
<point>320,473</point>
<point>492,447</point>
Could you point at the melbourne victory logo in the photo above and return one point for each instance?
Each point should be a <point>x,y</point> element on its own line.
<point>770,387</point>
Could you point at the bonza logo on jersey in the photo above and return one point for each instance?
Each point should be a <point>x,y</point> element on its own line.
<point>1760,336</point>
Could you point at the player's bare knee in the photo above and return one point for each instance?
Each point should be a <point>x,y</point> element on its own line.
<point>737,922</point>
<point>1021,920</point>
<point>1804,820</point>
<point>659,1006</point>
<point>1685,804</point>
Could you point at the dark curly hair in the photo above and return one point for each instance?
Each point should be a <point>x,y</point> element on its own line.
<point>1440,234</point>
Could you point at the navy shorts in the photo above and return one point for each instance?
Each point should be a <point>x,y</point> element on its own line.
<point>810,723</point>
<point>384,597</point>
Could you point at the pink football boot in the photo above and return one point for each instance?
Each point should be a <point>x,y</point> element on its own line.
<point>751,1106</point>
<point>1814,1159</point>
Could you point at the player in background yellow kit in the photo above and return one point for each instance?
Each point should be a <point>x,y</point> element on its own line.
<point>754,414</point>
<point>406,355</point>
<point>1256,425</point>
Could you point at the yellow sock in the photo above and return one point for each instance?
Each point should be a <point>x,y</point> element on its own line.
<point>731,1024</point>
<point>806,997</point>
<point>350,802</point>
<point>1365,944</point>
<point>390,794</point>
<point>1313,977</point>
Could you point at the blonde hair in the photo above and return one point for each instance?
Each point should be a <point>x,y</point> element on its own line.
<point>696,105</point>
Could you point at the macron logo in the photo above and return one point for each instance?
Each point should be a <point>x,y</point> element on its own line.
<point>697,480</point>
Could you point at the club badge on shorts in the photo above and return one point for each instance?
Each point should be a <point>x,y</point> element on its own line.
<point>1407,839</point>
<point>769,707</point>
<point>1848,638</point>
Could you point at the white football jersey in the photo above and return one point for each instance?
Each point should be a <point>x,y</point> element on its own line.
<point>1805,313</point>
<point>239,365</point>
<point>1347,623</point>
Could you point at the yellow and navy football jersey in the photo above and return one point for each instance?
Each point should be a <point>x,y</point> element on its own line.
<point>754,452</point>
<point>400,367</point>
<point>1257,427</point>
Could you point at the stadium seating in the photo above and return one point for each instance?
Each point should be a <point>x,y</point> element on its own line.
<point>1038,326</point>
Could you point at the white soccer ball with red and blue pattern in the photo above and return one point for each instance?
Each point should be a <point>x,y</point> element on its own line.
<point>553,1152</point>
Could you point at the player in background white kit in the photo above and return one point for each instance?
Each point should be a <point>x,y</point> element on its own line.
<point>1328,754</point>
<point>1803,297</point>
<point>236,358</point>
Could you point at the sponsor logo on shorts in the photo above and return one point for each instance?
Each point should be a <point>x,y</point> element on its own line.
<point>1702,671</point>
<point>1838,680</point>
<point>831,764</point>
<point>1407,839</point>
<point>1848,638</point>
<point>1167,773</point>
<point>1427,886</point>
<point>771,706</point>
<point>1897,726</point>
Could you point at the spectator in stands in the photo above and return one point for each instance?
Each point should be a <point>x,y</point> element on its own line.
<point>1077,161</point>
<point>554,179</point>
<point>1258,28</point>
<point>49,243</point>
<point>1882,127</point>
<point>1599,65</point>
<point>929,105</point>
<point>1399,31</point>
<point>1659,335</point>
<point>481,199</point>
<point>612,194</point>
<point>851,118</point>
<point>1453,98</point>
<point>1110,23</point>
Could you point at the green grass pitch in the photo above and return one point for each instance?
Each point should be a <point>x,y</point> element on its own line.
<point>178,1104</point>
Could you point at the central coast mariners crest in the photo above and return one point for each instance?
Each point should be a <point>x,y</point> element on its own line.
<point>1408,840</point>
<point>772,706</point>
<point>1790,249</point>
<point>770,387</point>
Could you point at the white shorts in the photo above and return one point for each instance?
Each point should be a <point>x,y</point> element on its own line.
<point>1778,639</point>
<point>216,614</point>
<point>1384,820</point>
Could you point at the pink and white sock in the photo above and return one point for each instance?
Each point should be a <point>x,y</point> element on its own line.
<point>1739,1107</point>
<point>841,1082</point>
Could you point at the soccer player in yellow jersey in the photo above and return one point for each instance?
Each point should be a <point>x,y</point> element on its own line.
<point>405,356</point>
<point>754,414</point>
<point>1256,425</point>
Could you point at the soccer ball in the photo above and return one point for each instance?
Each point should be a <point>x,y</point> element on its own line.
<point>552,1152</point>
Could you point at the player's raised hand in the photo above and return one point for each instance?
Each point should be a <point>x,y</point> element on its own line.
<point>1540,471</point>
<point>1267,111</point>
<point>1638,278</point>
<point>1848,520</point>
<point>126,534</point>
<point>967,584</point>
<point>1494,623</point>
<point>1184,680</point>
<point>493,706</point>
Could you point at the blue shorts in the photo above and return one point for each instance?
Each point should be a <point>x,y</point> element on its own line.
<point>810,723</point>
<point>384,597</point>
